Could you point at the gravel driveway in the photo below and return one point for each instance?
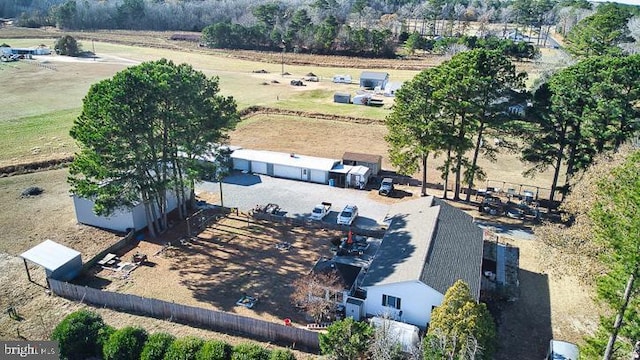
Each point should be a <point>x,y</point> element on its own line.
<point>295,198</point>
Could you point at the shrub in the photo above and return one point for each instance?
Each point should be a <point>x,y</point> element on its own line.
<point>346,339</point>
<point>156,346</point>
<point>281,354</point>
<point>214,350</point>
<point>80,335</point>
<point>184,349</point>
<point>249,351</point>
<point>125,344</point>
<point>67,45</point>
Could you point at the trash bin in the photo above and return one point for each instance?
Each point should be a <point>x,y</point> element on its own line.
<point>332,182</point>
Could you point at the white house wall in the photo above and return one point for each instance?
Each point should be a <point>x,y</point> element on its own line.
<point>416,301</point>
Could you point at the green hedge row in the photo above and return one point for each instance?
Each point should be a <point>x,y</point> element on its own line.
<point>83,334</point>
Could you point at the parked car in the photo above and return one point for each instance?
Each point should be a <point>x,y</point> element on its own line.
<point>386,187</point>
<point>491,205</point>
<point>562,350</point>
<point>348,215</point>
<point>320,211</point>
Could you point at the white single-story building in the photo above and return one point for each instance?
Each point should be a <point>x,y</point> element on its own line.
<point>40,50</point>
<point>373,79</point>
<point>428,247</point>
<point>284,165</point>
<point>391,88</point>
<point>122,219</point>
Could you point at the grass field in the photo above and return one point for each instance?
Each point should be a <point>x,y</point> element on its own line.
<point>45,95</point>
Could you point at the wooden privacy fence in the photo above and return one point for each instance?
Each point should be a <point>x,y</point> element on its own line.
<point>216,320</point>
<point>375,233</point>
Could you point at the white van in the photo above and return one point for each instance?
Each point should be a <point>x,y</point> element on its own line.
<point>562,350</point>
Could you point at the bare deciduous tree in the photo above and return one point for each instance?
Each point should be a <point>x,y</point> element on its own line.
<point>316,294</point>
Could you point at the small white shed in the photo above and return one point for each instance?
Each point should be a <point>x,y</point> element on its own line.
<point>358,177</point>
<point>406,335</point>
<point>59,262</point>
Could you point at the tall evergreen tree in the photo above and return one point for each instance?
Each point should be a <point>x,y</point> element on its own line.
<point>140,134</point>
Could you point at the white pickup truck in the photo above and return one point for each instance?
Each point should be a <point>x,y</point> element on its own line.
<point>320,211</point>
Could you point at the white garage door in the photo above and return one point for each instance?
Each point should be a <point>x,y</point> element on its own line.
<point>241,164</point>
<point>319,176</point>
<point>288,172</point>
<point>258,167</point>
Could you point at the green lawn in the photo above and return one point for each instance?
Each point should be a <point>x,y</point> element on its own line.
<point>35,136</point>
<point>41,98</point>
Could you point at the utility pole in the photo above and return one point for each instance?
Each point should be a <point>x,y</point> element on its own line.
<point>284,47</point>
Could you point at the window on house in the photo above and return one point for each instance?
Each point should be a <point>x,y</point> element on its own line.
<point>391,301</point>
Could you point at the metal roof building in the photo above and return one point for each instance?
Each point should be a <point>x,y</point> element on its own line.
<point>60,262</point>
<point>373,79</point>
<point>284,165</point>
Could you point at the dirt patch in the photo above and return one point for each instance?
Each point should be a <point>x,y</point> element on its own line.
<point>232,257</point>
<point>26,168</point>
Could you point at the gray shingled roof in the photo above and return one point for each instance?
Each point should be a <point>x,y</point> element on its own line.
<point>431,241</point>
<point>456,251</point>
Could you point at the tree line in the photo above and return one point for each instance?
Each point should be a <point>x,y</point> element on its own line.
<point>563,123</point>
<point>370,28</point>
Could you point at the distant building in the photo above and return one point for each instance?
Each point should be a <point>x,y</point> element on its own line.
<point>372,79</point>
<point>40,50</point>
<point>342,98</point>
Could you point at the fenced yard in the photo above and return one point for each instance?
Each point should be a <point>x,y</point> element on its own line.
<point>216,320</point>
<point>232,257</point>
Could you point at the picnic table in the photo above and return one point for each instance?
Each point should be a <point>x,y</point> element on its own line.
<point>108,260</point>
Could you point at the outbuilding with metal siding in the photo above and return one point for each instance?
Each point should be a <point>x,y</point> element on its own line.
<point>373,79</point>
<point>285,165</point>
<point>373,162</point>
<point>259,167</point>
<point>132,217</point>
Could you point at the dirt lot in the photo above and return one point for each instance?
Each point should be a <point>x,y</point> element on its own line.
<point>230,258</point>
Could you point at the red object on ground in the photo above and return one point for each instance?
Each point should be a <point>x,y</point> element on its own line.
<point>287,322</point>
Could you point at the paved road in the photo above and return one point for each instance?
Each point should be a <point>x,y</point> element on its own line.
<point>295,198</point>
